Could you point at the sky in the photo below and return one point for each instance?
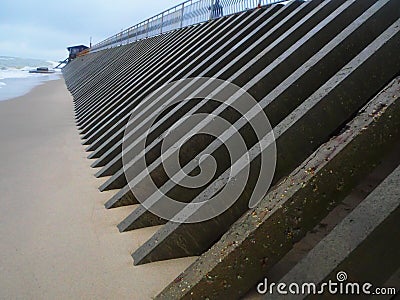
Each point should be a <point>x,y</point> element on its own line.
<point>44,28</point>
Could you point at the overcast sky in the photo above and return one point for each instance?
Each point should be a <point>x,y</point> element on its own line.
<point>44,28</point>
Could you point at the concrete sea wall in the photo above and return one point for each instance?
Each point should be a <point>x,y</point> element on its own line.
<point>326,74</point>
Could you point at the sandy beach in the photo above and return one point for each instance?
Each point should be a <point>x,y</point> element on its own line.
<point>56,238</point>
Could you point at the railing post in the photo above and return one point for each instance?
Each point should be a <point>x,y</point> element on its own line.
<point>136,32</point>
<point>211,9</point>
<point>162,22</point>
<point>182,14</point>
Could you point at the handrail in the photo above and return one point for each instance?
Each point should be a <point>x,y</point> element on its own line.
<point>185,14</point>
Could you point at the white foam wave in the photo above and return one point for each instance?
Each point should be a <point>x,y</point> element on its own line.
<point>15,73</point>
<point>6,73</point>
<point>16,79</point>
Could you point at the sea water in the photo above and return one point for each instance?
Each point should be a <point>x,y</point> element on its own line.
<point>15,79</point>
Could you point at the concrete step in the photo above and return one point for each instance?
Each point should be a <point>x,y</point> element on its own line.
<point>262,236</point>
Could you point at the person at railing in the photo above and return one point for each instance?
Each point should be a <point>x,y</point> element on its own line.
<point>216,10</point>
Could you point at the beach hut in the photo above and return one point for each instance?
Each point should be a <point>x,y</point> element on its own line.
<point>75,50</point>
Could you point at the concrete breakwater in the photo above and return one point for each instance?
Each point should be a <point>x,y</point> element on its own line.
<point>325,73</point>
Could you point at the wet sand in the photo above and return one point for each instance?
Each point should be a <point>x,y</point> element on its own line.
<point>56,238</point>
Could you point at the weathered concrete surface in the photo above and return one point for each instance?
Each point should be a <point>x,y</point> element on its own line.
<point>228,38</point>
<point>196,238</point>
<point>116,163</point>
<point>376,260</point>
<point>302,134</point>
<point>108,98</point>
<point>265,234</point>
<point>180,67</point>
<point>279,43</point>
<point>233,43</point>
<point>247,71</point>
<point>247,43</point>
<point>123,197</point>
<point>293,93</point>
<point>235,47</point>
<point>308,244</point>
<point>365,235</point>
<point>134,75</point>
<point>188,57</point>
<point>96,110</point>
<point>137,54</point>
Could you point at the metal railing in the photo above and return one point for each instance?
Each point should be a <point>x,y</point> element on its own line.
<point>188,13</point>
